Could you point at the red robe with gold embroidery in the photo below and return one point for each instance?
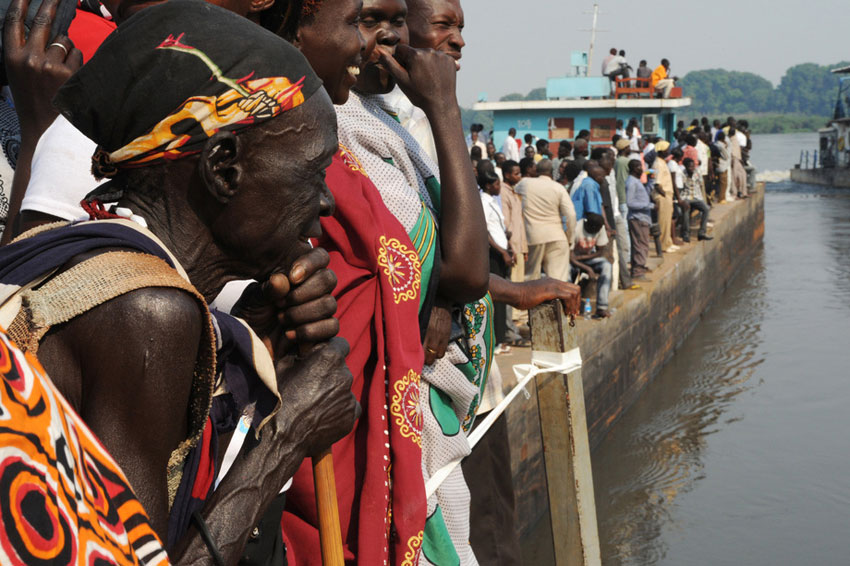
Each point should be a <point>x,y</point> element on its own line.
<point>378,466</point>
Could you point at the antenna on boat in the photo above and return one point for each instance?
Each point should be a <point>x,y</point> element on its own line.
<point>592,31</point>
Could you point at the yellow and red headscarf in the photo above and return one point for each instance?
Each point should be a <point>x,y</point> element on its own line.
<point>174,75</point>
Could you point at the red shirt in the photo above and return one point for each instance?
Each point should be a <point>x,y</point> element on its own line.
<point>88,31</point>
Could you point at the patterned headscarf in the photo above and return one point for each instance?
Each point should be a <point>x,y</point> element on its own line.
<point>174,75</point>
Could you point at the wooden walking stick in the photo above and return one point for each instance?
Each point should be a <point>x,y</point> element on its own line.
<point>330,537</point>
<point>324,484</point>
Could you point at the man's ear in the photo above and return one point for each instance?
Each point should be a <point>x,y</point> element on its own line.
<point>220,167</point>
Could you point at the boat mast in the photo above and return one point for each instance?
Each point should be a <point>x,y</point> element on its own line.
<point>592,31</point>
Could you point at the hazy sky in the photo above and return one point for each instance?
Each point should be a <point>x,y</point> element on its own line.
<point>515,45</point>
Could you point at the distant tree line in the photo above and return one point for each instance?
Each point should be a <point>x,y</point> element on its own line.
<point>807,89</point>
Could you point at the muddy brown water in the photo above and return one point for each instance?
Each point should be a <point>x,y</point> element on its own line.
<point>739,451</point>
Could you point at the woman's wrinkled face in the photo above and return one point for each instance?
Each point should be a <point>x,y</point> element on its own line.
<point>383,24</point>
<point>332,43</point>
<point>282,192</point>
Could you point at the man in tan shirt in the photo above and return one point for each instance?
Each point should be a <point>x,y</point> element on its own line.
<point>663,196</point>
<point>545,203</point>
<point>515,225</point>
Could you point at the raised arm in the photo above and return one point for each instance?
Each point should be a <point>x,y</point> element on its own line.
<point>36,66</point>
<point>428,79</point>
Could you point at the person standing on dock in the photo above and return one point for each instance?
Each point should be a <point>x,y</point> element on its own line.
<point>639,215</point>
<point>511,148</point>
<point>722,169</point>
<point>621,173</point>
<point>545,203</point>
<point>738,177</point>
<point>663,196</point>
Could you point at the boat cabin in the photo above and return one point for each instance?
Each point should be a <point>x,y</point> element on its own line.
<point>834,146</point>
<point>584,103</point>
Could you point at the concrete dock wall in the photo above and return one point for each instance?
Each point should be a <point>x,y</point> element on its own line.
<point>622,354</point>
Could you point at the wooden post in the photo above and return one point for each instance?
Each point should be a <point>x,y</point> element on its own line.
<point>566,450</point>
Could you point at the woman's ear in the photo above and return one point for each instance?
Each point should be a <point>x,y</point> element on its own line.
<point>220,167</point>
<point>260,5</point>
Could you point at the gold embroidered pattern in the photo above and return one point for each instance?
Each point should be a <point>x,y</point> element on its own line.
<point>414,547</point>
<point>405,407</point>
<point>351,161</point>
<point>402,267</point>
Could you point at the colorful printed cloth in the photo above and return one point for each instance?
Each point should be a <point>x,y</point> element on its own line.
<point>203,84</point>
<point>378,466</point>
<point>242,373</point>
<point>63,499</point>
<point>451,388</point>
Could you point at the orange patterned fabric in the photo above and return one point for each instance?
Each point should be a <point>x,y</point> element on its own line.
<point>63,499</point>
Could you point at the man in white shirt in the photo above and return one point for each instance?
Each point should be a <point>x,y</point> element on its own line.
<point>704,153</point>
<point>611,55</point>
<point>511,148</point>
<point>617,67</point>
<point>475,140</point>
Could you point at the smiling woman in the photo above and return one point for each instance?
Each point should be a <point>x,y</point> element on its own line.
<point>378,467</point>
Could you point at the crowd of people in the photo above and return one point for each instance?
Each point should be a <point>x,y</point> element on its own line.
<point>590,214</point>
<point>239,235</point>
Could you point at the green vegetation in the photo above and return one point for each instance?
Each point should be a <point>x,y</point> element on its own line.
<point>803,101</point>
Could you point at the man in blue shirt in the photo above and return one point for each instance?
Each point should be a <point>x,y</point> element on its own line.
<point>640,207</point>
<point>587,198</point>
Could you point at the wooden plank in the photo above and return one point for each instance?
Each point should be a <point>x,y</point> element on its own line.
<point>566,451</point>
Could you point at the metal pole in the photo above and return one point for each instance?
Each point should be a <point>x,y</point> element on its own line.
<point>815,160</point>
<point>807,159</point>
<point>592,38</point>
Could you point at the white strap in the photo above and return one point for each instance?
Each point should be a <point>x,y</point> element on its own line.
<point>541,362</point>
<point>233,447</point>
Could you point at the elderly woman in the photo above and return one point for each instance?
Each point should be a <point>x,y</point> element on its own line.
<point>214,135</point>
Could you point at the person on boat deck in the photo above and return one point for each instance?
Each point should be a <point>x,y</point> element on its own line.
<point>248,190</point>
<point>643,72</point>
<point>661,83</point>
<point>587,256</point>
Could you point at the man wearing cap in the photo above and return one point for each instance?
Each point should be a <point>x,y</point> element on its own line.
<point>214,135</point>
<point>621,173</point>
<point>663,196</point>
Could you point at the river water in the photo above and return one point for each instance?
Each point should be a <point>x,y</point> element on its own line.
<point>739,451</point>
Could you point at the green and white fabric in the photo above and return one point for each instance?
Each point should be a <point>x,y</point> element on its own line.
<point>451,389</point>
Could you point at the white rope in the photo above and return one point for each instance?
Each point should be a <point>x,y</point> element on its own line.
<point>541,362</point>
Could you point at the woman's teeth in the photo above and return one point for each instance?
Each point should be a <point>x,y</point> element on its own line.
<point>354,70</point>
